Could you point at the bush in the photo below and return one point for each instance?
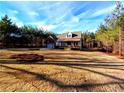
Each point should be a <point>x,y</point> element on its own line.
<point>67,48</point>
<point>28,57</point>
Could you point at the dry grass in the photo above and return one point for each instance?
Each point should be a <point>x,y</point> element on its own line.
<point>62,71</point>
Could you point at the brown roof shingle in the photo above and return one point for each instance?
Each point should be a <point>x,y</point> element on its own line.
<point>76,36</point>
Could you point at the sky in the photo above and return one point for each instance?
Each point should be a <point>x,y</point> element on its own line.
<point>58,16</point>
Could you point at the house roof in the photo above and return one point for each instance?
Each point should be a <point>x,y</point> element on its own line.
<point>76,36</point>
<point>69,39</point>
<point>51,39</point>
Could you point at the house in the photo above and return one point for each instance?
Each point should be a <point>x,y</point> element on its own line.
<point>71,40</point>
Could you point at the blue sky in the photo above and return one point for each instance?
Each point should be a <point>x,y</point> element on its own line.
<point>58,16</point>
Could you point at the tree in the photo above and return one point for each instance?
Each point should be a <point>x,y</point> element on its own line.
<point>12,35</point>
<point>88,38</point>
<point>6,28</point>
<point>108,33</point>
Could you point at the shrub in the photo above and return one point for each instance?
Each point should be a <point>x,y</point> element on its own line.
<point>28,57</point>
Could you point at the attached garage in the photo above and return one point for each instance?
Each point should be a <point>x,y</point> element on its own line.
<point>51,42</point>
<point>50,45</point>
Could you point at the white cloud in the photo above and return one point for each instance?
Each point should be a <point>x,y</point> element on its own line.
<point>75,19</point>
<point>42,25</point>
<point>26,10</point>
<point>59,16</point>
<point>92,30</point>
<point>51,11</point>
<point>13,11</point>
<point>13,16</point>
<point>33,13</point>
<point>48,27</point>
<point>16,21</point>
<point>85,14</point>
<point>103,11</point>
<point>19,24</point>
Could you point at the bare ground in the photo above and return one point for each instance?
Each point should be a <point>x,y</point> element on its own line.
<point>62,71</point>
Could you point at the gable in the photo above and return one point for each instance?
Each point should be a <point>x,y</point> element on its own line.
<point>69,35</point>
<point>72,34</point>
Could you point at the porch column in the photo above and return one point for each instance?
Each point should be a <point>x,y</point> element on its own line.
<point>80,44</point>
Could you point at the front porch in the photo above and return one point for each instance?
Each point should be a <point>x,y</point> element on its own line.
<point>69,44</point>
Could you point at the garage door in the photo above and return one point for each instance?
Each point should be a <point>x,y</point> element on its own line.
<point>50,45</point>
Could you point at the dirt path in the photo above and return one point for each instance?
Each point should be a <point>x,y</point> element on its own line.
<point>63,71</point>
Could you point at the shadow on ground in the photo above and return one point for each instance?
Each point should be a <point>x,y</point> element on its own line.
<point>82,64</point>
<point>62,85</point>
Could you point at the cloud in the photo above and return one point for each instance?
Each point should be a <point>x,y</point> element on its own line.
<point>33,13</point>
<point>85,13</point>
<point>13,16</point>
<point>42,25</point>
<point>26,9</point>
<point>55,13</point>
<point>92,30</point>
<point>48,27</point>
<point>103,11</point>
<point>75,19</point>
<point>19,24</point>
<point>16,21</point>
<point>59,16</point>
<point>10,11</point>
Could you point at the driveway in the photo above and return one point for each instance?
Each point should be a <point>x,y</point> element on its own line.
<point>63,71</point>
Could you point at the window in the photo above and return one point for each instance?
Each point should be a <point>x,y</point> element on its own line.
<point>69,35</point>
<point>69,43</point>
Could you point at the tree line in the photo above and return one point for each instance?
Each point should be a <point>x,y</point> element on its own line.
<point>26,36</point>
<point>110,33</point>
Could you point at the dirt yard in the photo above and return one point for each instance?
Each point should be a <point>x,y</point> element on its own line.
<point>62,71</point>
